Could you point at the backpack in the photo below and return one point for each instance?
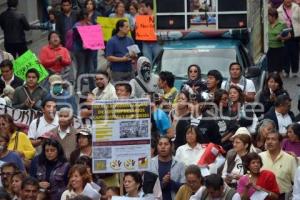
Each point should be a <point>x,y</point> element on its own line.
<point>69,39</point>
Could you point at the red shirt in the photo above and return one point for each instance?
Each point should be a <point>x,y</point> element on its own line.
<point>48,57</point>
<point>266,180</point>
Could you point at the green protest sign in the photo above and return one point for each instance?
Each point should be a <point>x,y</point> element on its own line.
<point>27,61</point>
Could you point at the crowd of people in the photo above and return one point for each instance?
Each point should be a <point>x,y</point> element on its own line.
<point>210,139</point>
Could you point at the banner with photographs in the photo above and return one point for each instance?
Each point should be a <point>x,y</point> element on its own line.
<point>121,138</point>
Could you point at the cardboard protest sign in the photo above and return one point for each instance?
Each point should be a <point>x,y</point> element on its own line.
<point>108,24</point>
<point>27,61</point>
<point>145,28</point>
<point>92,37</point>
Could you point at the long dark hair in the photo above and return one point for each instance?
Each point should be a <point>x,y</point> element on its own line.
<point>42,159</point>
<point>119,25</point>
<point>276,77</point>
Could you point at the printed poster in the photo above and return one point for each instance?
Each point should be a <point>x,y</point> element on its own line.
<point>121,138</point>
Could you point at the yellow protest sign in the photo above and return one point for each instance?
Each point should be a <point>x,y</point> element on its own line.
<point>108,24</point>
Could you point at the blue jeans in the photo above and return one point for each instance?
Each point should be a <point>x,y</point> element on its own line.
<point>151,50</point>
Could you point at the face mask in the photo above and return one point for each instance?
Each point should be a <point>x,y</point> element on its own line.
<point>145,71</point>
<point>57,88</point>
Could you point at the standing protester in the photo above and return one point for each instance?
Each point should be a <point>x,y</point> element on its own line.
<point>51,168</point>
<point>276,51</point>
<point>280,163</point>
<point>145,81</point>
<point>30,95</point>
<point>118,54</point>
<point>237,78</point>
<point>83,57</point>
<point>65,133</point>
<point>281,114</point>
<point>151,49</point>
<point>13,24</point>
<point>53,56</point>
<point>169,170</point>
<point>66,19</point>
<point>104,89</point>
<point>43,124</point>
<point>7,76</point>
<point>289,13</point>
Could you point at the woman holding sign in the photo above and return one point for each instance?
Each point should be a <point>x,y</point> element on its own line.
<point>83,56</point>
<point>262,181</point>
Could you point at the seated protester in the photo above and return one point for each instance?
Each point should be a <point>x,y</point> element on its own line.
<point>145,81</point>
<point>15,185</point>
<point>214,81</point>
<point>7,156</point>
<point>240,111</point>
<point>215,188</point>
<point>104,89</point>
<point>43,124</point>
<point>133,183</point>
<point>7,95</point>
<point>53,56</point>
<point>257,179</point>
<point>61,94</point>
<point>272,89</point>
<point>209,130</point>
<point>85,109</point>
<point>84,145</point>
<point>160,119</point>
<point>221,112</point>
<point>30,188</point>
<point>7,76</point>
<point>30,95</point>
<point>19,142</point>
<point>169,170</point>
<point>98,183</point>
<point>123,90</point>
<point>112,191</point>
<point>263,128</point>
<point>194,81</point>
<point>79,179</point>
<point>280,163</point>
<point>166,83</point>
<point>64,133</point>
<point>194,181</point>
<point>291,144</point>
<point>233,167</point>
<point>237,79</point>
<point>281,113</point>
<point>181,110</point>
<point>51,168</point>
<point>7,170</point>
<point>192,151</point>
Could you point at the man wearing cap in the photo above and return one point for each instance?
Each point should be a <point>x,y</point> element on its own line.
<point>145,82</point>
<point>84,145</point>
<point>63,97</point>
<point>104,90</point>
<point>281,114</point>
<point>279,162</point>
